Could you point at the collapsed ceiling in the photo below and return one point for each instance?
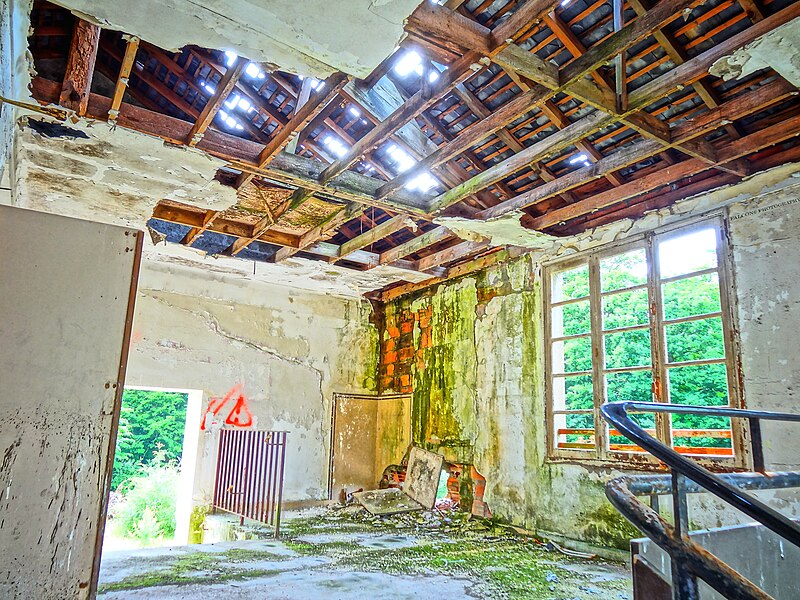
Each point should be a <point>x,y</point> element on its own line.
<point>494,123</point>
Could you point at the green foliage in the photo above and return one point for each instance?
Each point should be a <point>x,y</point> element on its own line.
<point>148,509</point>
<point>621,307</point>
<point>148,421</point>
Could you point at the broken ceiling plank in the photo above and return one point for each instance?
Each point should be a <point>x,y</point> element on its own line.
<point>683,133</point>
<point>378,232</point>
<point>428,238</point>
<point>418,103</point>
<point>730,152</point>
<point>303,114</point>
<point>210,110</point>
<point>477,264</point>
<point>131,48</point>
<point>435,25</point>
<point>80,67</point>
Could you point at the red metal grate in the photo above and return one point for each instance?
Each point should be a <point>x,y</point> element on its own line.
<point>249,481</point>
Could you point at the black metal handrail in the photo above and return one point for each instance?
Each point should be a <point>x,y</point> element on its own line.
<point>689,560</point>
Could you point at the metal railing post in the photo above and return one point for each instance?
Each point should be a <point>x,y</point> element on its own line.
<point>684,583</point>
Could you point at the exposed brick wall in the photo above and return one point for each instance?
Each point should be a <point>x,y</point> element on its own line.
<point>399,352</point>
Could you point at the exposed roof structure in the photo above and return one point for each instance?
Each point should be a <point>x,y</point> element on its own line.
<point>563,115</point>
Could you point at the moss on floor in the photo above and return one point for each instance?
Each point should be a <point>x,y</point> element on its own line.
<point>199,567</point>
<point>503,564</point>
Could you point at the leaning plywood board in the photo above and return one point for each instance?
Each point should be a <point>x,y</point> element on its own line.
<point>419,489</point>
<point>65,310</point>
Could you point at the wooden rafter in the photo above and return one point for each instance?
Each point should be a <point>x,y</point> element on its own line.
<point>210,110</point>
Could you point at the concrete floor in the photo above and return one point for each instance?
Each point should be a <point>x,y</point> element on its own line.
<point>342,558</point>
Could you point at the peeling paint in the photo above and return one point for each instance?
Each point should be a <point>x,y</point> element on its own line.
<point>779,50</point>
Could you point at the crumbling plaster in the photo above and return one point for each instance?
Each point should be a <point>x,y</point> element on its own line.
<point>478,388</point>
<point>352,36</point>
<point>288,351</point>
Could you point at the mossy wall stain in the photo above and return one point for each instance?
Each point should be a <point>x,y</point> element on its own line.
<point>473,353</point>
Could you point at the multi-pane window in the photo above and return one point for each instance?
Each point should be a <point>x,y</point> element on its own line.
<point>648,321</point>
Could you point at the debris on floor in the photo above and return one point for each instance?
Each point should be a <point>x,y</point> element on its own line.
<point>346,553</point>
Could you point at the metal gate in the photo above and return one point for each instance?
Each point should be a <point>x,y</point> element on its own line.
<point>249,480</point>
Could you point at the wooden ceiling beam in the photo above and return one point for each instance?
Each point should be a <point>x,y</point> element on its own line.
<point>679,56</point>
<point>77,83</point>
<point>210,110</point>
<point>453,253</point>
<point>640,98</point>
<point>439,234</point>
<point>380,231</point>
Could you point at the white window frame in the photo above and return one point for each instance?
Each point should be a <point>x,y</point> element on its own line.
<point>602,454</point>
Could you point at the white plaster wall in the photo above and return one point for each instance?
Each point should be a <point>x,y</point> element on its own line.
<point>288,350</point>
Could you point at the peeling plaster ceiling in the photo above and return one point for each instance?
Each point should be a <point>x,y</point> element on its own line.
<point>506,230</point>
<point>353,36</point>
<point>779,49</point>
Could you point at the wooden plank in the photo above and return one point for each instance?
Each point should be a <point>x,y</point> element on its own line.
<point>418,243</point>
<point>448,29</point>
<point>514,58</point>
<point>662,14</point>
<point>697,67</point>
<point>450,254</point>
<point>378,232</point>
<point>77,83</point>
<point>527,14</point>
<point>537,151</point>
<point>210,110</point>
<point>121,85</point>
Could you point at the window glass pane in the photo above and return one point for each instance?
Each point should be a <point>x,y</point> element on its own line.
<point>627,349</point>
<point>697,295</point>
<point>624,309</point>
<point>570,319</point>
<point>573,355</point>
<point>575,431</point>
<point>695,340</point>
<point>630,386</point>
<point>571,284</point>
<point>623,270</point>
<point>687,253</point>
<point>699,385</point>
<point>619,443</point>
<point>634,386</point>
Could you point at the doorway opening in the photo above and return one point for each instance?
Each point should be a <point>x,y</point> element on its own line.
<point>154,468</point>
